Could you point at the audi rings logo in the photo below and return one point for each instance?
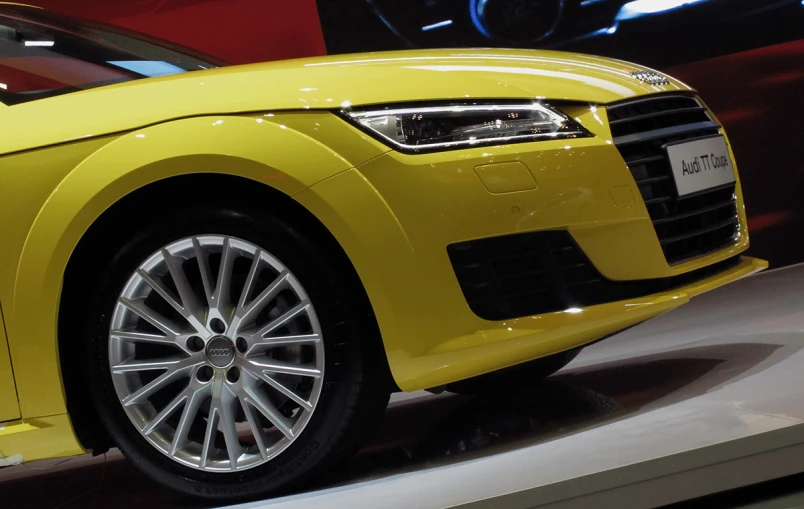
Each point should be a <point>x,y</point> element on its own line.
<point>650,77</point>
<point>220,351</point>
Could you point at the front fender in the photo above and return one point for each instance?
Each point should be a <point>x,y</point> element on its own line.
<point>245,146</point>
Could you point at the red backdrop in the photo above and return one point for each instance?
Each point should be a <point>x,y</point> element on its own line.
<point>237,31</point>
<point>758,95</point>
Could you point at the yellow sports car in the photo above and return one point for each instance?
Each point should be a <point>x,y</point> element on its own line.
<point>225,271</point>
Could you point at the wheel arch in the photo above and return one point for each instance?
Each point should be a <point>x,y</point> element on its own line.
<point>236,150</point>
<point>108,230</point>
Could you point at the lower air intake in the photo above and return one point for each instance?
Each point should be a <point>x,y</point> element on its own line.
<point>541,272</point>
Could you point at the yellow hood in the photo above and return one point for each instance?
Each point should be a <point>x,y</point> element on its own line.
<point>324,83</point>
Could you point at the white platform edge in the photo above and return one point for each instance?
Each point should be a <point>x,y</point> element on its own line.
<point>744,430</point>
<point>677,478</point>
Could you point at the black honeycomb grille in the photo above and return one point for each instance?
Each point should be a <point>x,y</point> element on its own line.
<point>689,226</point>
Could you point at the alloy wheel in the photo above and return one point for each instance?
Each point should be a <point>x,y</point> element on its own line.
<point>216,353</point>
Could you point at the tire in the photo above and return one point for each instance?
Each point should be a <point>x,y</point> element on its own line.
<point>528,374</point>
<point>352,387</point>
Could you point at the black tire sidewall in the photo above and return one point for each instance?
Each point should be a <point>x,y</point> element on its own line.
<point>329,293</point>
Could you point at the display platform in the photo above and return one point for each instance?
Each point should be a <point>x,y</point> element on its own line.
<point>703,399</point>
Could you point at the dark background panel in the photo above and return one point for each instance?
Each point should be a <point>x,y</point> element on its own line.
<point>657,33</point>
<point>237,31</point>
<point>759,97</point>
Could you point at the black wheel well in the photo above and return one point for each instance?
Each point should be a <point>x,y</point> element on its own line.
<point>98,246</point>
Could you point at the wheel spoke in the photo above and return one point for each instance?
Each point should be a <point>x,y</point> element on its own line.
<point>138,306</point>
<point>162,291</point>
<point>166,412</point>
<point>148,389</point>
<point>222,416</point>
<point>248,287</point>
<point>188,307</point>
<point>255,426</point>
<point>286,317</point>
<point>201,257</point>
<point>286,391</point>
<point>220,297</point>
<point>168,364</point>
<point>174,368</point>
<point>143,337</point>
<point>266,408</point>
<point>267,365</point>
<point>246,313</point>
<point>259,345</point>
<point>188,415</point>
<point>189,300</point>
<point>226,402</point>
<point>209,434</point>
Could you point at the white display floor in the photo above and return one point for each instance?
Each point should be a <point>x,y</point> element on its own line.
<point>705,398</point>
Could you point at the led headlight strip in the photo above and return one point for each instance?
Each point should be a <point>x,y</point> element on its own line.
<point>443,127</point>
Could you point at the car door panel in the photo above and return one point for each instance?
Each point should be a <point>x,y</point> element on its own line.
<point>9,406</point>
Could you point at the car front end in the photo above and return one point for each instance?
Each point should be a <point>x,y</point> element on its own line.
<point>504,230</point>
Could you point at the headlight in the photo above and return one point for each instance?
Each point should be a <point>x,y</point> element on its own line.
<point>432,128</point>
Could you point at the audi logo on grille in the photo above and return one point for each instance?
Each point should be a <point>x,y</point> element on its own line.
<point>650,77</point>
<point>219,352</point>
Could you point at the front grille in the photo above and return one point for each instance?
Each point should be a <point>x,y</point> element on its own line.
<point>541,272</point>
<point>688,226</point>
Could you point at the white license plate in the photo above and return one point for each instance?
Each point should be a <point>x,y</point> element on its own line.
<point>700,165</point>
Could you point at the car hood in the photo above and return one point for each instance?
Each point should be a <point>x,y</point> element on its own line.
<point>327,83</point>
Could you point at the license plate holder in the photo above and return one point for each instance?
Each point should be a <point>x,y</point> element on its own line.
<point>700,165</point>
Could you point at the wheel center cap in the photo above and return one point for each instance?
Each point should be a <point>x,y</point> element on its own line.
<point>220,351</point>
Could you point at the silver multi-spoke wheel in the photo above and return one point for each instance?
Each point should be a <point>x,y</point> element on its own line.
<point>216,353</point>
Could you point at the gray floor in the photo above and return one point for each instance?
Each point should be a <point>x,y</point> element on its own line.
<point>788,502</point>
<point>705,398</point>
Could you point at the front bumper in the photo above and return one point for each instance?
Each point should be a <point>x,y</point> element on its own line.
<point>504,344</point>
<point>396,214</point>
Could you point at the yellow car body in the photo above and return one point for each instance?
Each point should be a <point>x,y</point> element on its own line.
<point>65,160</point>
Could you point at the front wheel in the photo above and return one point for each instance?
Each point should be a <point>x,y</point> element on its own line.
<point>228,355</point>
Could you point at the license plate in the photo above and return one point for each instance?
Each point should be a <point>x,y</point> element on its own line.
<point>701,164</point>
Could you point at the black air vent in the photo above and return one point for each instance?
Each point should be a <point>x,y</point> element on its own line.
<point>541,272</point>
